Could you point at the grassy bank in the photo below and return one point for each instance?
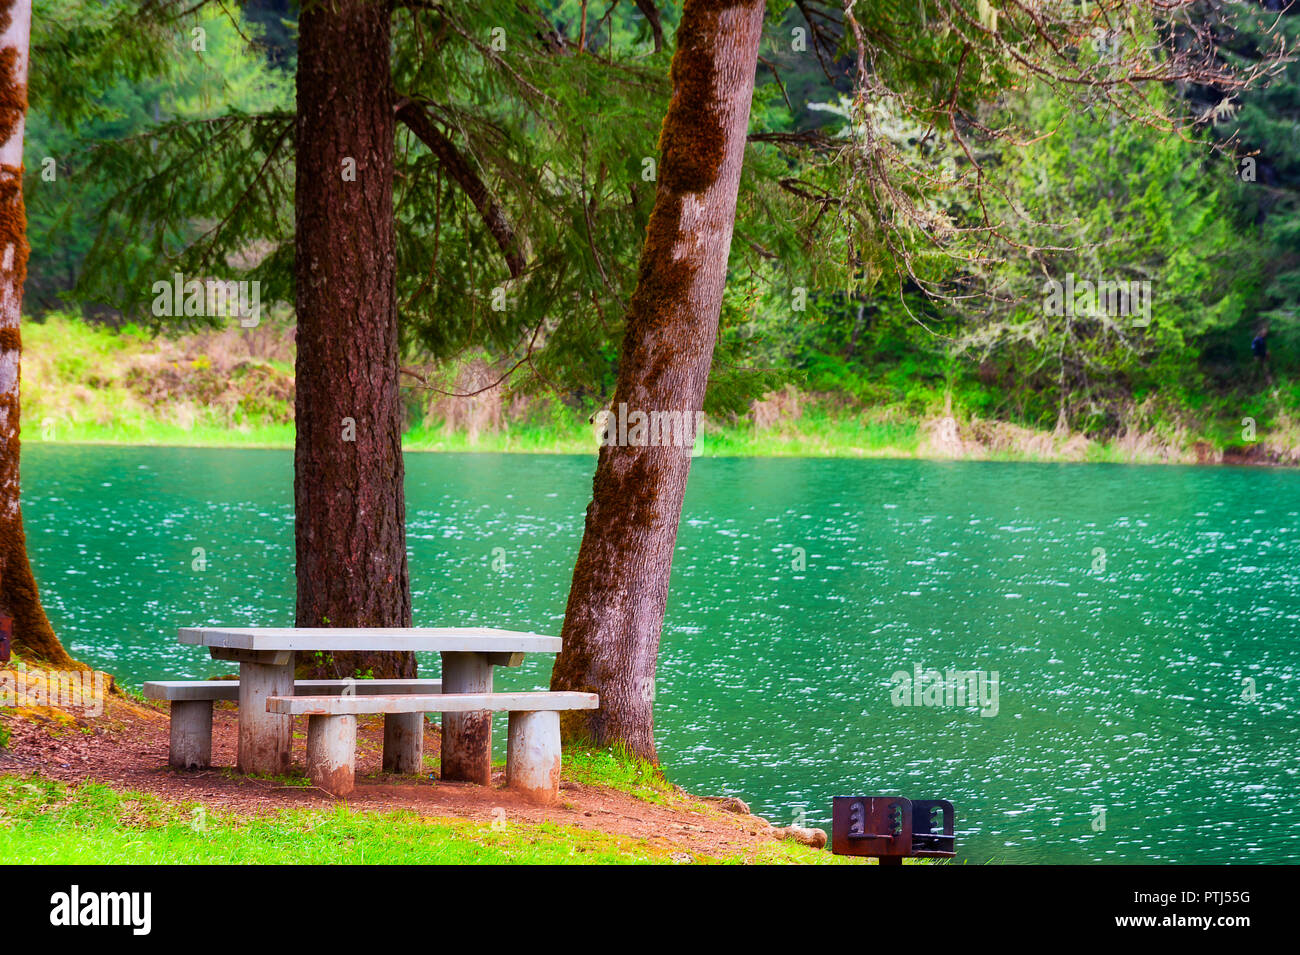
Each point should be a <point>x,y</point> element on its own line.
<point>46,822</point>
<point>43,821</point>
<point>234,388</point>
<point>88,384</point>
<point>116,806</point>
<point>83,384</point>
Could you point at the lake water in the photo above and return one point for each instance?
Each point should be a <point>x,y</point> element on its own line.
<point>1147,709</point>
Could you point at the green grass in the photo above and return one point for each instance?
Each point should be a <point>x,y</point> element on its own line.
<point>819,432</point>
<point>623,772</point>
<point>81,385</point>
<point>42,821</point>
<point>517,439</point>
<point>841,439</point>
<point>91,385</point>
<point>139,430</point>
<point>48,822</point>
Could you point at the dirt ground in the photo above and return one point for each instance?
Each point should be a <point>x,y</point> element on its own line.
<point>126,748</point>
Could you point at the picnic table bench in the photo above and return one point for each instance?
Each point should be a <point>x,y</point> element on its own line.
<point>532,749</point>
<point>269,698</point>
<point>191,715</point>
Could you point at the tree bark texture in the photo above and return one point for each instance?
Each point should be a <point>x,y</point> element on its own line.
<point>620,582</point>
<point>19,599</point>
<point>348,469</point>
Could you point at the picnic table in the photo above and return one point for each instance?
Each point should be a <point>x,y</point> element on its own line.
<point>266,669</point>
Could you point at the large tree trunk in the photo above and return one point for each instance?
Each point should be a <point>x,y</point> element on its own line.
<point>19,599</point>
<point>348,471</point>
<point>620,583</point>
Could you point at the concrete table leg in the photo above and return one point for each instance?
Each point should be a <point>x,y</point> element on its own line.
<point>403,743</point>
<point>533,755</point>
<point>191,723</point>
<point>265,739</point>
<point>331,751</point>
<point>467,737</point>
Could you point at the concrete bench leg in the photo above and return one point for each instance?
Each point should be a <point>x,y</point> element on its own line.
<point>533,755</point>
<point>265,739</point>
<point>467,737</point>
<point>403,743</point>
<point>331,750</point>
<point>191,746</point>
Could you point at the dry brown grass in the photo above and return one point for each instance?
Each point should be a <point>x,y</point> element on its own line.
<point>777,409</point>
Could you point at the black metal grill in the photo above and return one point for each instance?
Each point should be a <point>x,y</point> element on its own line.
<point>892,828</point>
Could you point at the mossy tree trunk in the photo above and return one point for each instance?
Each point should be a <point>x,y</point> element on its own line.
<point>620,583</point>
<point>19,598</point>
<point>348,469</point>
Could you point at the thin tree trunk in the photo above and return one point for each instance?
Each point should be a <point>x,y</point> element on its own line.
<point>651,13</point>
<point>620,583</point>
<point>348,470</point>
<point>19,599</point>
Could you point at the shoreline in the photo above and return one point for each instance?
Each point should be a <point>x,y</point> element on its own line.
<point>85,385</point>
<point>744,447</point>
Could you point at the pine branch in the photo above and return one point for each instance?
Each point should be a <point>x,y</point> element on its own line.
<point>416,119</point>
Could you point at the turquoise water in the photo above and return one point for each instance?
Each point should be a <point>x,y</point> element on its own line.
<point>1155,682</point>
